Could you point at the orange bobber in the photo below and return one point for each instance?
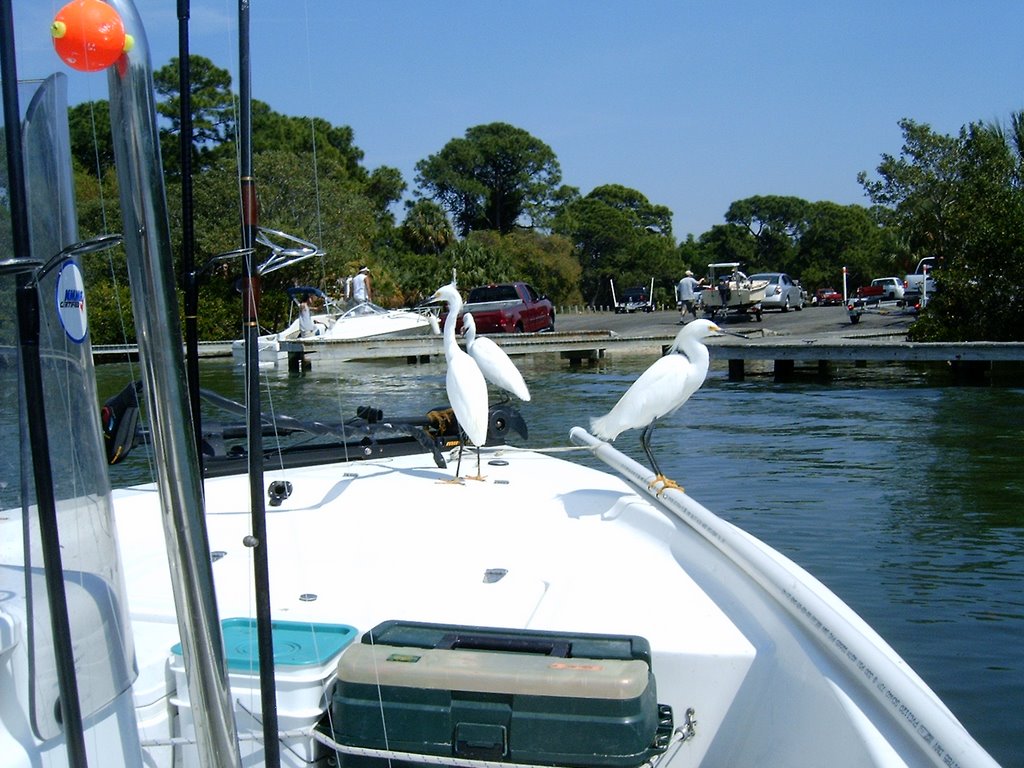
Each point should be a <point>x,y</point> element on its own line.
<point>89,35</point>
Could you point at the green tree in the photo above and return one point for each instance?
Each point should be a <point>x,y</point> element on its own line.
<point>776,224</point>
<point>728,243</point>
<point>213,113</point>
<point>619,235</point>
<point>496,177</point>
<point>962,199</point>
<point>272,131</point>
<point>384,187</point>
<point>92,145</point>
<point>475,262</point>
<point>838,236</point>
<point>547,262</point>
<point>915,192</point>
<point>426,229</point>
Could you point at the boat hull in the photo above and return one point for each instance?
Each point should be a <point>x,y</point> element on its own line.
<point>274,347</point>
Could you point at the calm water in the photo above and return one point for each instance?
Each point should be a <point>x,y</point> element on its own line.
<point>903,495</point>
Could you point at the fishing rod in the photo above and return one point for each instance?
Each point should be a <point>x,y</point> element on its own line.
<point>250,321</point>
<point>191,275</point>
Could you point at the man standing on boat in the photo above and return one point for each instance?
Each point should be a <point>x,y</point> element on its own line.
<point>306,327</point>
<point>361,290</point>
<point>686,293</point>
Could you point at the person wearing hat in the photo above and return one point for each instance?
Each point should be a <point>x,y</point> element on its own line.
<point>361,286</point>
<point>686,296</point>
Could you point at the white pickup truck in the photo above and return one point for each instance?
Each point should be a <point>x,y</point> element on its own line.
<point>919,285</point>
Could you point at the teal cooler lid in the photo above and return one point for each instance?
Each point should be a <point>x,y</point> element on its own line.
<point>296,643</point>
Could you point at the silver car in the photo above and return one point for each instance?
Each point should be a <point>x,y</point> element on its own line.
<point>783,292</point>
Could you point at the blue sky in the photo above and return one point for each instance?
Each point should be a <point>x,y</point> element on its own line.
<point>694,104</point>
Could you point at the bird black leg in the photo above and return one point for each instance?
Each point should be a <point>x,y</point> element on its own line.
<point>478,476</point>
<point>458,463</point>
<point>645,443</point>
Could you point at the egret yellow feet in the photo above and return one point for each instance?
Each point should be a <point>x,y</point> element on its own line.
<point>665,482</point>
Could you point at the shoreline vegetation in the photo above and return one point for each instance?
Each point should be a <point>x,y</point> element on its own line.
<point>958,198</point>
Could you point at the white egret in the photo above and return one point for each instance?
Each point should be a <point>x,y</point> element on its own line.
<point>494,364</point>
<point>465,384</point>
<point>660,390</point>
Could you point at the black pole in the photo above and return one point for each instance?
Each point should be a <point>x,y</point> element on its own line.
<point>12,129</point>
<point>53,568</point>
<point>27,300</point>
<point>250,299</point>
<point>191,287</point>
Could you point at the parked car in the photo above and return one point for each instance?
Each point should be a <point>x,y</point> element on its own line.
<point>636,299</point>
<point>892,287</point>
<point>783,291</point>
<point>827,297</point>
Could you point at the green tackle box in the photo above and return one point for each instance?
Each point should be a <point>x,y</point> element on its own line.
<point>517,696</point>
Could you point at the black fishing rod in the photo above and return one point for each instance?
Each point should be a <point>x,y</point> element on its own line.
<point>250,317</point>
<point>191,275</point>
<point>27,301</point>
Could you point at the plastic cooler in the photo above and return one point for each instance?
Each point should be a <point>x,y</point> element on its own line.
<point>305,659</point>
<point>503,695</point>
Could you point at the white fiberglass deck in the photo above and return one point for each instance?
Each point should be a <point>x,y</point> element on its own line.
<point>347,547</point>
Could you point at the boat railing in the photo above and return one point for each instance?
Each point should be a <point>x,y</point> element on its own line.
<point>846,639</point>
<point>285,249</point>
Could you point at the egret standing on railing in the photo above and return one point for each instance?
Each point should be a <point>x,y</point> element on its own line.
<point>494,364</point>
<point>660,391</point>
<point>465,384</point>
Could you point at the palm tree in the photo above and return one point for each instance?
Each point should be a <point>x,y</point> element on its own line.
<point>426,229</point>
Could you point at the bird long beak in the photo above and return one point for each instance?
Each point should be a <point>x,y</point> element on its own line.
<point>722,332</point>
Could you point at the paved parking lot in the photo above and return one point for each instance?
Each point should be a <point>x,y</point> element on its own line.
<point>810,322</point>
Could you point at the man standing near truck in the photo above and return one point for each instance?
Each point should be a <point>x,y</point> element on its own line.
<point>686,296</point>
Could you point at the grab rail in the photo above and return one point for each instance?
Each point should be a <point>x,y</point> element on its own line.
<point>843,635</point>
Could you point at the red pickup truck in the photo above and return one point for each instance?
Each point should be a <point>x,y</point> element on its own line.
<point>509,308</point>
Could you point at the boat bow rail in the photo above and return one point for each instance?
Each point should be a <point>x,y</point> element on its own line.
<point>844,637</point>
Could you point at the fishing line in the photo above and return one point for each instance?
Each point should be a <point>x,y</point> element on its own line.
<point>312,132</point>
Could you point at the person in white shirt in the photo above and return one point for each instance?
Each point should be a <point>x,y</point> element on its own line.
<point>361,290</point>
<point>686,293</point>
<point>306,327</point>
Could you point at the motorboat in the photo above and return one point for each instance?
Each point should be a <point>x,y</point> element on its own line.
<point>359,607</point>
<point>340,320</point>
<point>727,289</point>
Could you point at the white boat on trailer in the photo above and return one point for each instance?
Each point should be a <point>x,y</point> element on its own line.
<point>550,613</point>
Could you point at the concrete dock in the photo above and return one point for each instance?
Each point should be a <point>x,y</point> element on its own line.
<point>819,336</point>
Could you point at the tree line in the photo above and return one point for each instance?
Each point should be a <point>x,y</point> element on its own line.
<point>492,206</point>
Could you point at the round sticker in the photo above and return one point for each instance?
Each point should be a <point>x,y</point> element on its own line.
<point>71,302</point>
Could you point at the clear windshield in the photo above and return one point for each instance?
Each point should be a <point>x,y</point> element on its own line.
<point>93,582</point>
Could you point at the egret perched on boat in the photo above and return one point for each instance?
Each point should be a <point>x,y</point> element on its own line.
<point>660,391</point>
<point>464,382</point>
<point>495,365</point>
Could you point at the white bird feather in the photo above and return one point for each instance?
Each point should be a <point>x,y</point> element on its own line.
<point>494,363</point>
<point>662,389</point>
<point>464,382</point>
